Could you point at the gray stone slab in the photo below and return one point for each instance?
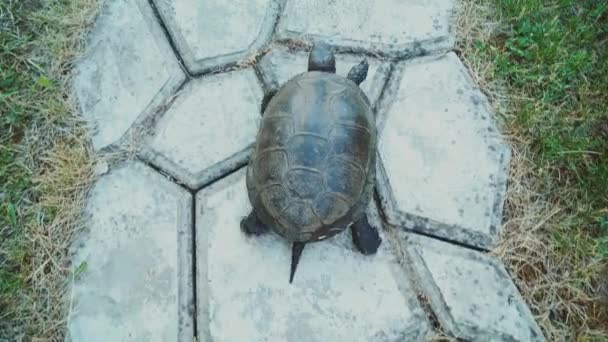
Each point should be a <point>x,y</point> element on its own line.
<point>210,34</point>
<point>443,163</point>
<point>127,72</point>
<point>137,249</point>
<point>279,65</point>
<point>470,292</point>
<point>209,128</point>
<point>338,294</point>
<point>388,27</point>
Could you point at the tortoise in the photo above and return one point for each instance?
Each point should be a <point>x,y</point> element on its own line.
<point>312,169</point>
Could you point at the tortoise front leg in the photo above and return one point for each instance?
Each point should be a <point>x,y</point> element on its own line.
<point>252,225</point>
<point>358,73</point>
<point>365,237</point>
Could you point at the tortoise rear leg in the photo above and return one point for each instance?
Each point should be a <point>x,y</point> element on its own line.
<point>365,237</point>
<point>252,225</point>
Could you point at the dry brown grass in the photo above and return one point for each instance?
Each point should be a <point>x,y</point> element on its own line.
<point>56,156</point>
<point>66,176</point>
<point>557,284</point>
<point>549,282</point>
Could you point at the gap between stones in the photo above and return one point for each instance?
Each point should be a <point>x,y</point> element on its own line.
<point>220,68</point>
<point>143,125</point>
<point>390,81</point>
<point>421,233</point>
<point>163,26</point>
<point>194,294</point>
<point>397,246</point>
<point>194,191</point>
<point>295,44</point>
<point>453,242</point>
<point>193,233</point>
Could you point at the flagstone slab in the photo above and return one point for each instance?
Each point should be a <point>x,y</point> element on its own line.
<point>338,294</point>
<point>443,163</point>
<point>128,70</point>
<point>210,34</point>
<point>396,28</point>
<point>209,129</point>
<point>470,292</point>
<point>135,259</point>
<point>280,64</point>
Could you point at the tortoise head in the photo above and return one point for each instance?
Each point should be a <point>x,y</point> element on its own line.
<point>321,58</point>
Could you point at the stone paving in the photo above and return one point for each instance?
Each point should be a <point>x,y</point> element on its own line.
<point>180,84</point>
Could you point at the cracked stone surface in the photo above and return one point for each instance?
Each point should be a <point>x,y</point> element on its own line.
<point>128,71</point>
<point>471,293</point>
<point>210,34</point>
<point>163,257</point>
<point>205,134</point>
<point>338,294</point>
<point>444,163</point>
<point>389,27</point>
<point>137,278</point>
<point>279,65</point>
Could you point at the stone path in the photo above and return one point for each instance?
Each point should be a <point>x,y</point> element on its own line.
<point>180,83</point>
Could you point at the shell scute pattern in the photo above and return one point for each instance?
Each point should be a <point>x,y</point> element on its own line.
<point>303,92</point>
<point>313,98</point>
<point>331,207</point>
<point>345,177</point>
<point>312,156</point>
<point>351,142</point>
<point>343,104</point>
<point>300,214</point>
<point>276,131</point>
<point>271,166</point>
<point>275,199</point>
<point>303,183</point>
<point>307,150</point>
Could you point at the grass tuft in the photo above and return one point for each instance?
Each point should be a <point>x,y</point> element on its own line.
<point>543,65</point>
<point>45,162</point>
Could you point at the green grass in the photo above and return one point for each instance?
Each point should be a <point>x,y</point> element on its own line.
<point>44,162</point>
<point>551,60</point>
<point>557,54</point>
<point>15,177</point>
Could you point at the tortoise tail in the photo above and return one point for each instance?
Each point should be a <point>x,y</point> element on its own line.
<point>296,252</point>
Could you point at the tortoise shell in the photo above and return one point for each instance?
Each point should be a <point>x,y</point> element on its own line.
<point>313,164</point>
